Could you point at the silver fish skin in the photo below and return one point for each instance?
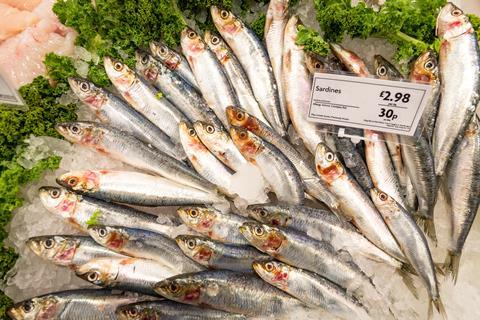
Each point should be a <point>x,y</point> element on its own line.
<point>184,96</point>
<point>236,75</point>
<point>217,255</point>
<point>255,61</point>
<point>299,250</point>
<point>174,61</point>
<point>129,274</point>
<point>311,289</point>
<point>75,304</point>
<point>144,98</point>
<point>463,193</point>
<point>144,244</point>
<point>275,23</point>
<point>83,212</point>
<point>204,162</point>
<point>321,225</point>
<point>459,59</point>
<point>412,241</point>
<point>420,166</point>
<point>113,111</point>
<point>313,185</point>
<point>229,291</point>
<point>350,60</point>
<point>276,168</point>
<point>355,204</point>
<point>297,86</point>
<point>170,310</point>
<point>214,224</point>
<point>209,73</point>
<point>68,250</point>
<point>218,141</point>
<point>134,188</point>
<point>126,148</point>
<point>381,167</point>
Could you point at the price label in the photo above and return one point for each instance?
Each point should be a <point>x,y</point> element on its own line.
<point>368,103</point>
<point>8,94</point>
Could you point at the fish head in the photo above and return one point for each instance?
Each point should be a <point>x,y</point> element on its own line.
<point>291,29</point>
<point>384,69</point>
<point>385,204</point>
<point>59,200</point>
<point>265,238</point>
<point>273,272</point>
<point>278,9</point>
<point>190,139</point>
<point>328,167</point>
<point>192,43</point>
<point>318,64</point>
<point>119,73</point>
<point>82,132</point>
<point>426,68</point>
<point>247,142</point>
<point>114,238</point>
<point>217,45</point>
<point>44,307</point>
<point>269,214</point>
<point>101,271</point>
<point>136,312</point>
<point>88,93</point>
<point>162,52</point>
<point>198,218</point>
<point>352,61</point>
<point>58,249</point>
<point>226,22</point>
<point>238,117</point>
<point>210,133</point>
<point>80,181</point>
<point>195,247</point>
<point>452,22</point>
<point>146,65</point>
<point>181,288</point>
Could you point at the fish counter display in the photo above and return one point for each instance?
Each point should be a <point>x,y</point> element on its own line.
<point>196,187</point>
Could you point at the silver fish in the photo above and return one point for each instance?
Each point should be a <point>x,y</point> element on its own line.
<point>214,224</point>
<point>235,73</point>
<point>459,59</point>
<point>463,193</point>
<point>209,73</point>
<point>143,244</point>
<point>134,188</point>
<point>228,291</point>
<point>176,89</point>
<point>114,111</point>
<point>217,255</point>
<point>275,167</point>
<point>350,60</point>
<point>275,23</point>
<point>69,251</point>
<point>83,212</point>
<point>74,304</point>
<point>174,61</point>
<point>311,289</point>
<point>126,148</point>
<point>255,61</point>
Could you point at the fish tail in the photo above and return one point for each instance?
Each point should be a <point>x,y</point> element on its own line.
<point>437,303</point>
<point>408,280</point>
<point>428,226</point>
<point>452,264</point>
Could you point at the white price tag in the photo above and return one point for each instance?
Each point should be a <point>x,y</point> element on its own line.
<point>367,103</point>
<point>8,94</point>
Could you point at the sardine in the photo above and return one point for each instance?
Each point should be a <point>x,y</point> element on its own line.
<point>217,255</point>
<point>236,75</point>
<point>134,188</point>
<point>129,274</point>
<point>255,61</point>
<point>228,291</point>
<point>275,23</point>
<point>174,61</point>
<point>74,304</point>
<point>69,251</point>
<point>114,111</point>
<point>350,60</point>
<point>214,224</point>
<point>209,73</point>
<point>311,289</point>
<point>459,59</point>
<point>355,204</point>
<point>83,212</point>
<point>143,244</point>
<point>463,194</point>
<point>275,167</point>
<point>126,148</point>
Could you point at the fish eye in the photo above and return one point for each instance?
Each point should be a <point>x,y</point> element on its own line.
<point>258,231</point>
<point>224,14</point>
<point>240,116</point>
<point>191,34</point>
<point>383,196</point>
<point>269,266</point>
<point>457,12</point>
<point>72,181</point>
<point>210,129</point>
<point>55,193</point>
<point>381,71</point>
<point>243,135</point>
<point>28,306</point>
<point>84,86</point>
<point>193,213</point>
<point>132,313</point>
<point>144,59</point>
<point>263,213</point>
<point>191,243</point>
<point>92,276</point>
<point>192,132</point>
<point>215,40</point>
<point>118,66</point>
<point>330,156</point>
<point>317,65</point>
<point>48,244</point>
<point>102,232</point>
<point>173,287</point>
<point>429,65</point>
<point>163,50</point>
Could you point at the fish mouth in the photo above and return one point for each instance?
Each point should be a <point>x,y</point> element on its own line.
<point>61,128</point>
<point>34,245</point>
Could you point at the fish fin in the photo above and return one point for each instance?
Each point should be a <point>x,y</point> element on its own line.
<point>408,280</point>
<point>428,226</point>
<point>452,265</point>
<point>437,303</point>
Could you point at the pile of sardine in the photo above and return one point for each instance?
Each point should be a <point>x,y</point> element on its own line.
<point>188,123</point>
